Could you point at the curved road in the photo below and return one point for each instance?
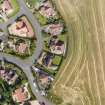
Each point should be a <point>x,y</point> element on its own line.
<point>26,65</point>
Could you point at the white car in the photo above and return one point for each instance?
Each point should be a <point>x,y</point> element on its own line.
<point>35,85</point>
<point>36,69</point>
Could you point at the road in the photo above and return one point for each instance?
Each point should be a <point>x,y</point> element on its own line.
<point>26,65</point>
<point>27,70</point>
<point>25,11</point>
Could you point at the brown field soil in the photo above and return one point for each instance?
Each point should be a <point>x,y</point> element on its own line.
<point>81,78</point>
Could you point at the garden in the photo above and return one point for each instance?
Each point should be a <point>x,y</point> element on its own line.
<point>15,44</point>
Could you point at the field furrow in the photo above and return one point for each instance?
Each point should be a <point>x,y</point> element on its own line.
<point>84,68</point>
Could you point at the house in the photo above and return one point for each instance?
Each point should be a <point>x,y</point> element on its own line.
<point>5,9</point>
<point>9,76</point>
<point>47,10</point>
<point>3,15</point>
<point>44,79</point>
<point>6,6</point>
<point>45,59</point>
<point>53,29</point>
<point>21,28</point>
<point>21,94</point>
<point>21,48</point>
<point>56,46</point>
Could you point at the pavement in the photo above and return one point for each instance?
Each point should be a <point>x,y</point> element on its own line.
<point>26,65</point>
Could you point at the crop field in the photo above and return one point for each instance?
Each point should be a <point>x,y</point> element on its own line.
<point>81,78</point>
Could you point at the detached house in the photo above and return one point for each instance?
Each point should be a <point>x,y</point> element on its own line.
<point>9,76</point>
<point>5,9</point>
<point>48,60</point>
<point>21,28</point>
<point>21,94</point>
<point>47,10</point>
<point>56,46</point>
<point>21,48</point>
<point>44,79</point>
<point>53,29</point>
<point>6,6</point>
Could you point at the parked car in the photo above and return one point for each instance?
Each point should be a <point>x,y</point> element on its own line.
<point>42,103</point>
<point>35,85</point>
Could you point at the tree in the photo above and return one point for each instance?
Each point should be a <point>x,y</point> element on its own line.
<point>27,103</point>
<point>1,1</point>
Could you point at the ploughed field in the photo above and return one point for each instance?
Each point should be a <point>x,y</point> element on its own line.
<point>81,78</point>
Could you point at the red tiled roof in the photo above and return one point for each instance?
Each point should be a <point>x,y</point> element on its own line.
<point>20,95</point>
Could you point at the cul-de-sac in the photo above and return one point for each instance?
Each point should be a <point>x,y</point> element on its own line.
<point>33,45</point>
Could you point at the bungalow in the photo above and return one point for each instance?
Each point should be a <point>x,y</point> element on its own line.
<point>9,76</point>
<point>53,29</point>
<point>21,28</point>
<point>47,10</point>
<point>21,94</point>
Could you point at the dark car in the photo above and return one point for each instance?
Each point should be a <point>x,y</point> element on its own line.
<point>41,103</point>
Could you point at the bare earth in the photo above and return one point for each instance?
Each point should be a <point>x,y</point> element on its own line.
<point>81,79</point>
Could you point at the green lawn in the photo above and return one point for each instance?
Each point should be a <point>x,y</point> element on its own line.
<point>15,6</point>
<point>41,19</point>
<point>1,20</point>
<point>57,60</point>
<point>62,37</point>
